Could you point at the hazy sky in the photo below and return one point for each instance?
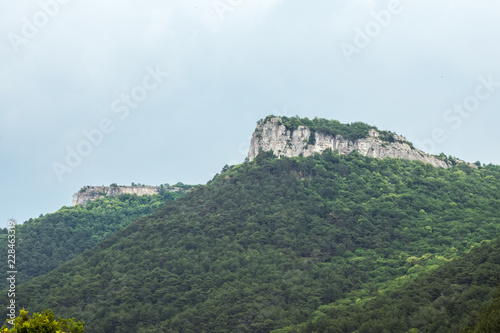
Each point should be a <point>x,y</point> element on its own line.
<point>100,92</point>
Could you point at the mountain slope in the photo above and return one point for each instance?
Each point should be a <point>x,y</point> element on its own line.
<point>46,242</point>
<point>445,299</point>
<point>488,319</point>
<point>267,242</point>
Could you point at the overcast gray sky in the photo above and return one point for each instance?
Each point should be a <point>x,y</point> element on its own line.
<point>85,98</point>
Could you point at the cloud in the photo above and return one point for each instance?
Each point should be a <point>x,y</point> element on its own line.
<point>225,74</point>
<point>219,15</point>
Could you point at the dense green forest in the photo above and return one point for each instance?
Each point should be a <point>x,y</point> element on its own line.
<point>48,241</point>
<point>267,244</point>
<point>444,299</point>
<point>488,318</point>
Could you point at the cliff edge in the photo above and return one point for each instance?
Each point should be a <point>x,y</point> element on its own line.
<point>272,134</point>
<point>91,193</point>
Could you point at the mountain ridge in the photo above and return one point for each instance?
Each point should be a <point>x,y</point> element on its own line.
<point>289,138</point>
<point>90,193</point>
<point>267,242</point>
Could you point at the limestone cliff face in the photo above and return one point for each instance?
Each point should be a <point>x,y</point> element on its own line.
<point>272,135</point>
<point>91,193</point>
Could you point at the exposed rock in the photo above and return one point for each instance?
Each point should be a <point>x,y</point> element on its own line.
<point>91,193</point>
<point>272,135</point>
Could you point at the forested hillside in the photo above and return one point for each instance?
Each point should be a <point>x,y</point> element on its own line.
<point>266,243</point>
<point>445,299</point>
<point>48,241</point>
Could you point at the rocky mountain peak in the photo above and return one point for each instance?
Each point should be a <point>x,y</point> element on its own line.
<point>272,134</point>
<point>91,193</point>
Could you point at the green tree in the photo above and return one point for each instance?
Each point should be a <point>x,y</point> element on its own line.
<point>488,320</point>
<point>43,322</point>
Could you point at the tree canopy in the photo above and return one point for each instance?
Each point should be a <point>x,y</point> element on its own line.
<point>46,242</point>
<point>44,322</point>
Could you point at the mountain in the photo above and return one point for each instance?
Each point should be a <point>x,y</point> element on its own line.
<point>46,242</point>
<point>268,242</point>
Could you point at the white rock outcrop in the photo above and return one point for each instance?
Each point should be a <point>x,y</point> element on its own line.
<point>91,193</point>
<point>272,135</point>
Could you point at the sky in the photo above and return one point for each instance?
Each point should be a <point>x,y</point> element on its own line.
<point>153,92</point>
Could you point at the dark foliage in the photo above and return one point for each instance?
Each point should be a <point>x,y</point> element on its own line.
<point>46,242</point>
<point>445,299</point>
